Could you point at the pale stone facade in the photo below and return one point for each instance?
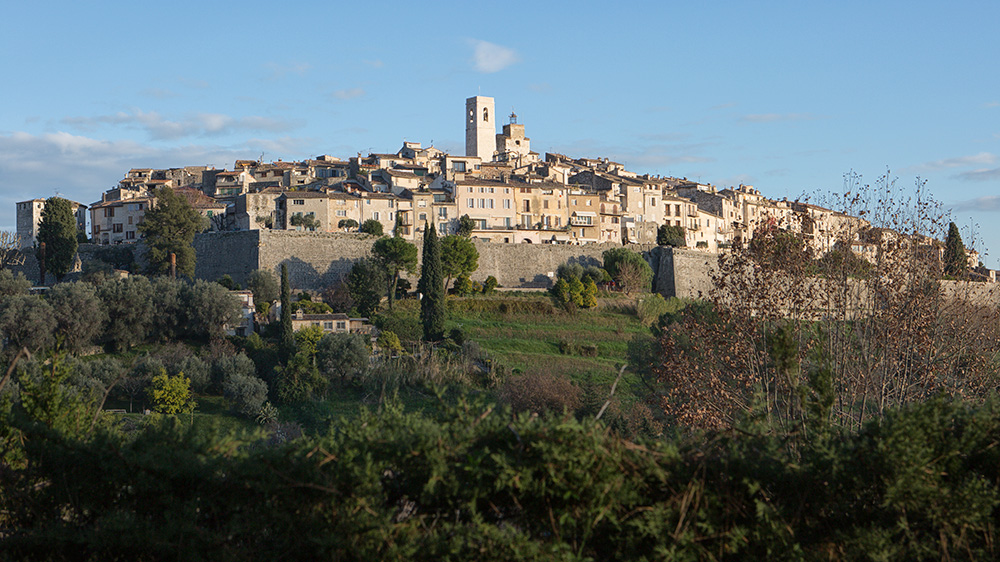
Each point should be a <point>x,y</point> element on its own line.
<point>29,215</point>
<point>480,128</point>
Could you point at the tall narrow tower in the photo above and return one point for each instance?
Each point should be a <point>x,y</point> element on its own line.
<point>480,131</point>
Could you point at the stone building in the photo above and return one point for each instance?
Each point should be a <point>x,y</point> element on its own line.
<point>29,215</point>
<point>480,128</point>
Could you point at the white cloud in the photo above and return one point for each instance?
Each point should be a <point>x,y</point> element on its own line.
<point>489,57</point>
<point>349,93</point>
<point>990,203</point>
<point>81,167</point>
<point>377,63</point>
<point>201,124</point>
<point>980,159</point>
<point>992,104</point>
<point>982,174</point>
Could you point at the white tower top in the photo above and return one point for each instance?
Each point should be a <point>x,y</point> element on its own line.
<point>480,130</point>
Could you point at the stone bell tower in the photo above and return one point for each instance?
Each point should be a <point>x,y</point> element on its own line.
<point>480,128</point>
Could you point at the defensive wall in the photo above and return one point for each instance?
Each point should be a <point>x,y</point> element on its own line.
<point>318,260</point>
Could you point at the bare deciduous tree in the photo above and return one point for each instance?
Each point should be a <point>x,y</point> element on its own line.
<point>783,332</point>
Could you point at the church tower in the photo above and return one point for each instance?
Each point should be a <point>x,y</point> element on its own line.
<point>480,130</point>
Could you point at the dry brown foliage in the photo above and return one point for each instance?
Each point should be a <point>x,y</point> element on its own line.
<point>541,393</point>
<point>888,334</point>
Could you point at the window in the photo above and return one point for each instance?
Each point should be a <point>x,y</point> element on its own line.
<point>130,235</point>
<point>423,217</point>
<point>545,204</point>
<point>341,325</point>
<point>489,203</point>
<point>130,218</point>
<point>482,203</point>
<point>506,222</point>
<point>442,213</point>
<point>459,167</point>
<point>327,325</point>
<point>443,228</point>
<point>590,202</point>
<point>506,203</point>
<point>471,203</point>
<point>527,206</point>
<point>117,227</point>
<point>315,324</point>
<point>422,203</point>
<point>341,213</point>
<point>486,114</point>
<point>298,202</point>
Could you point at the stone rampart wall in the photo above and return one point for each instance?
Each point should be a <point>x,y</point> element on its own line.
<point>683,273</point>
<point>317,260</point>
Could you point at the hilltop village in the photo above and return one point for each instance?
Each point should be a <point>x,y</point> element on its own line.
<point>511,194</point>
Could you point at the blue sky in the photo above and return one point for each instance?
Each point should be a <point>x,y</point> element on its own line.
<point>787,96</point>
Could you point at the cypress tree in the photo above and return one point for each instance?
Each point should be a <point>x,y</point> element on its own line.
<point>431,286</point>
<point>955,260</point>
<point>57,230</point>
<point>287,334</point>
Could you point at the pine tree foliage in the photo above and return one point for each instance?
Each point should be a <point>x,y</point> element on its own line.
<point>397,255</point>
<point>459,257</point>
<point>169,228</point>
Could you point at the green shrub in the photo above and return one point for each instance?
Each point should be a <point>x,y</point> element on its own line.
<point>388,341</point>
<point>490,285</point>
<point>371,226</point>
<point>463,286</point>
<point>245,393</point>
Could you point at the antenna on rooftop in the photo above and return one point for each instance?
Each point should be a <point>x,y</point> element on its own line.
<point>513,116</point>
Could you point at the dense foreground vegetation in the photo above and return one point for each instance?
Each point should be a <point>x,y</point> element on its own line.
<point>830,408</point>
<point>472,481</point>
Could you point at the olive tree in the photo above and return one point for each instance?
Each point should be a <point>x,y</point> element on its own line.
<point>129,303</point>
<point>27,321</point>
<point>79,314</point>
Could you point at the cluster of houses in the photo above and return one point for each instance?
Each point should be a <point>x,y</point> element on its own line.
<point>510,193</point>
